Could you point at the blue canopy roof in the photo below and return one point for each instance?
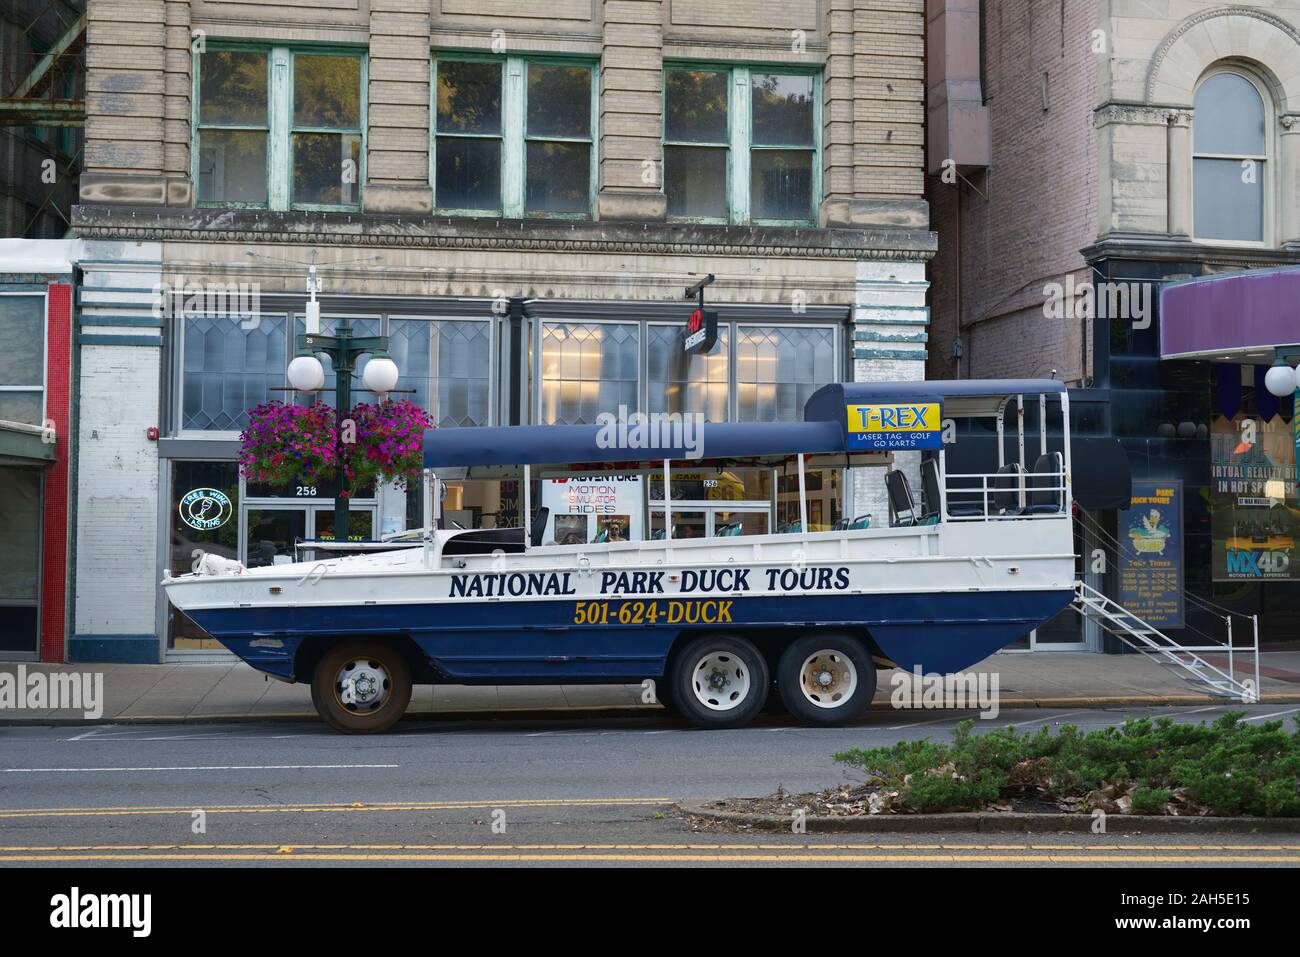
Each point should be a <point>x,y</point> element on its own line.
<point>582,444</point>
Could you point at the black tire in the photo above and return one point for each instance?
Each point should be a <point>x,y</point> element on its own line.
<point>376,658</point>
<point>664,693</point>
<point>737,667</point>
<point>840,707</point>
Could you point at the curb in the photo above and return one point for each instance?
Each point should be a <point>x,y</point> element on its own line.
<point>624,711</point>
<point>1010,822</point>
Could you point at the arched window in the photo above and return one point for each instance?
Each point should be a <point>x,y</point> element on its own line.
<point>1229,159</point>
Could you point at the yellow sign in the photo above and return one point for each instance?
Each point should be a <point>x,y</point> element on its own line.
<point>896,417</point>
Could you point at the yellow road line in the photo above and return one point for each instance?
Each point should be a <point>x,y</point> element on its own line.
<point>293,847</point>
<point>677,858</point>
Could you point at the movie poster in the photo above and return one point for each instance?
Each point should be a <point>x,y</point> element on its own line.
<point>1151,554</point>
<point>1254,517</point>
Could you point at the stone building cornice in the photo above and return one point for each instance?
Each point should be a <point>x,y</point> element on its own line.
<point>1159,248</point>
<point>165,224</point>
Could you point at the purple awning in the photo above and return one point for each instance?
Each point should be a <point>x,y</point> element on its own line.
<point>1255,309</point>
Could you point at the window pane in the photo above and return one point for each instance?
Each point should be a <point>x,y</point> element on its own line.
<point>1224,207</point>
<point>232,88</point>
<point>678,382</point>
<point>559,178</point>
<point>21,407</point>
<point>559,100</point>
<point>1228,117</point>
<point>696,106</point>
<point>327,91</point>
<point>695,179</point>
<point>778,368</point>
<point>22,340</point>
<point>783,110</point>
<point>469,97</point>
<point>468,173</point>
<point>587,368</point>
<point>326,167</point>
<point>780,184</point>
<point>228,369</point>
<point>232,166</point>
<point>447,362</point>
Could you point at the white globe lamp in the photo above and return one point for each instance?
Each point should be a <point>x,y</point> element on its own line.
<point>380,374</point>
<point>1280,380</point>
<point>306,374</point>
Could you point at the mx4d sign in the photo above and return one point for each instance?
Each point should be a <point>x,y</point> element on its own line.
<point>901,425</point>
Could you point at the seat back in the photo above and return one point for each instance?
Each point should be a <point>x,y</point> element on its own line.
<point>1045,492</point>
<point>930,487</point>
<point>1006,488</point>
<point>902,507</point>
<point>539,525</point>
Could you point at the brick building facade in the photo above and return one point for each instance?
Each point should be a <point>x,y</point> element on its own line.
<point>516,201</point>
<point>1134,146</point>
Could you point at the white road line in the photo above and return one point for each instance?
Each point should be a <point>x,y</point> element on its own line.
<point>1275,714</point>
<point>214,767</point>
<point>1050,717</point>
<point>917,724</point>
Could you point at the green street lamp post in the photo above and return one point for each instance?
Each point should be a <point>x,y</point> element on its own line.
<point>344,349</point>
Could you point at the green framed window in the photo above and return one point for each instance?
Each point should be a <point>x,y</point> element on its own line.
<point>742,144</point>
<point>279,128</point>
<point>513,136</point>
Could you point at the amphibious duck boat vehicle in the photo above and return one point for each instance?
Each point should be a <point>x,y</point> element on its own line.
<point>710,625</point>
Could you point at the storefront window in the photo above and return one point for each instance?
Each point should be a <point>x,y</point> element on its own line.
<point>204,520</point>
<point>587,369</point>
<point>449,364</point>
<point>229,365</point>
<point>778,368</point>
<point>679,382</point>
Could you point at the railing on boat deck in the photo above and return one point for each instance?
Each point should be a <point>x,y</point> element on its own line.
<point>997,496</point>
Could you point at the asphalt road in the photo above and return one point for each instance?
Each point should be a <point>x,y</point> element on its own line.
<point>483,793</point>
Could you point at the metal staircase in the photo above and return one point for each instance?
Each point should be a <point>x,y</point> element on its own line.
<point>1183,660</point>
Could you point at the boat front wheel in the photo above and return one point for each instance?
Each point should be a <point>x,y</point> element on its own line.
<point>362,687</point>
<point>719,681</point>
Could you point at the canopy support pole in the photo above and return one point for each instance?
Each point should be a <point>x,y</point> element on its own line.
<point>803,499</point>
<point>1066,484</point>
<point>1020,435</point>
<point>528,508</point>
<point>668,504</point>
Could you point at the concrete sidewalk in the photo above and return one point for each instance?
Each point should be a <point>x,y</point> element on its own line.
<point>180,692</point>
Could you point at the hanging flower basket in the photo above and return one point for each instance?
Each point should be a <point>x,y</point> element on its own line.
<point>289,444</point>
<point>389,444</point>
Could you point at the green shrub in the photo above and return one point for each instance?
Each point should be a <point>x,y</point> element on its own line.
<point>1225,768</point>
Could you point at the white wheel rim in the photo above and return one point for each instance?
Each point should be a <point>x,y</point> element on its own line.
<point>720,681</point>
<point>362,686</point>
<point>828,678</point>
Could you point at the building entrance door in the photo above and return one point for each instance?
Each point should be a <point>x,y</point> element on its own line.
<point>20,563</point>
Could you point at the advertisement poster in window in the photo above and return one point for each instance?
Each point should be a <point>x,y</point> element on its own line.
<point>1151,554</point>
<point>591,508</point>
<point>1254,514</point>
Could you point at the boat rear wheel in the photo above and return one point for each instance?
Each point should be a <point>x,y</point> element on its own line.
<point>826,679</point>
<point>362,687</point>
